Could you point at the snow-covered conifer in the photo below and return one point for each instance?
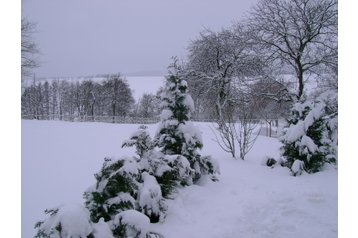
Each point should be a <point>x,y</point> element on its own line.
<point>115,190</point>
<point>65,221</point>
<point>101,229</point>
<point>133,224</point>
<point>176,135</point>
<point>311,133</point>
<point>130,223</point>
<point>141,140</point>
<point>125,185</point>
<point>150,198</point>
<point>297,167</point>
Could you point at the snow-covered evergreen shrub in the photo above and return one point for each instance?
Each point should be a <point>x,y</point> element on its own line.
<point>133,224</point>
<point>154,162</point>
<point>101,229</point>
<point>311,133</point>
<point>150,198</point>
<point>130,223</point>
<point>176,135</point>
<point>123,185</point>
<point>165,172</point>
<point>65,221</point>
<point>115,190</point>
<point>297,167</point>
<point>141,140</point>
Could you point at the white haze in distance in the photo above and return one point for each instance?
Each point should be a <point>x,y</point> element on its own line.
<point>88,37</point>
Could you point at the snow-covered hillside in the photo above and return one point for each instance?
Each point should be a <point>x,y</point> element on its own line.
<point>250,200</point>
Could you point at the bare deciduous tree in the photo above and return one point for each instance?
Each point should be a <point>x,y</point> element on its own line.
<point>148,106</point>
<point>118,96</point>
<point>246,134</point>
<point>29,49</point>
<point>217,62</point>
<point>270,101</point>
<point>236,132</point>
<point>301,34</point>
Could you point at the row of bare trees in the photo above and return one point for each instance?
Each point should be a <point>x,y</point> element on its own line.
<point>236,74</point>
<point>59,99</point>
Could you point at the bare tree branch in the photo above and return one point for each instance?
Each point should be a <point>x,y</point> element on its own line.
<point>302,33</point>
<point>29,49</point>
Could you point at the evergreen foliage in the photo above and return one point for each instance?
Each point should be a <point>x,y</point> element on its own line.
<point>176,134</point>
<point>65,221</point>
<point>114,191</point>
<point>311,134</point>
<point>141,140</point>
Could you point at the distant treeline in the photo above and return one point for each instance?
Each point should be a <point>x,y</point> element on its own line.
<point>109,99</point>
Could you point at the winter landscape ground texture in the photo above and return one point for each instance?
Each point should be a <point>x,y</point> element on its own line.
<point>250,199</point>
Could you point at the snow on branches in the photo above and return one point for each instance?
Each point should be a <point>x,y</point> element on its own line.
<point>311,134</point>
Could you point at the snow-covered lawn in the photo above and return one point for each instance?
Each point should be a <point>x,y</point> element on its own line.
<point>250,200</point>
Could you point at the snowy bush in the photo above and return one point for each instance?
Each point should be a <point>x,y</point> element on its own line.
<point>65,221</point>
<point>130,223</point>
<point>150,198</point>
<point>176,135</point>
<point>115,190</point>
<point>101,229</point>
<point>141,140</point>
<point>297,167</point>
<point>311,133</point>
<point>124,185</point>
<point>133,224</point>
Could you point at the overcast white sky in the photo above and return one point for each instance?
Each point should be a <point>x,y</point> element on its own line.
<point>87,37</point>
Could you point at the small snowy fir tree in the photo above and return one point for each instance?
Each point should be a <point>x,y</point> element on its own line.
<point>152,161</point>
<point>116,189</point>
<point>311,134</point>
<point>177,136</point>
<point>124,185</point>
<point>141,140</point>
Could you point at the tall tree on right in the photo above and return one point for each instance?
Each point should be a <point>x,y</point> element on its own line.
<point>300,34</point>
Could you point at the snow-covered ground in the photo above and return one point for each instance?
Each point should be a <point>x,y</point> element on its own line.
<point>250,200</point>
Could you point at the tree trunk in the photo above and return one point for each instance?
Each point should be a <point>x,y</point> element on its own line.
<point>114,112</point>
<point>299,72</point>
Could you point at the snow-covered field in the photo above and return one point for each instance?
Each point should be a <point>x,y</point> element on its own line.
<point>250,200</point>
